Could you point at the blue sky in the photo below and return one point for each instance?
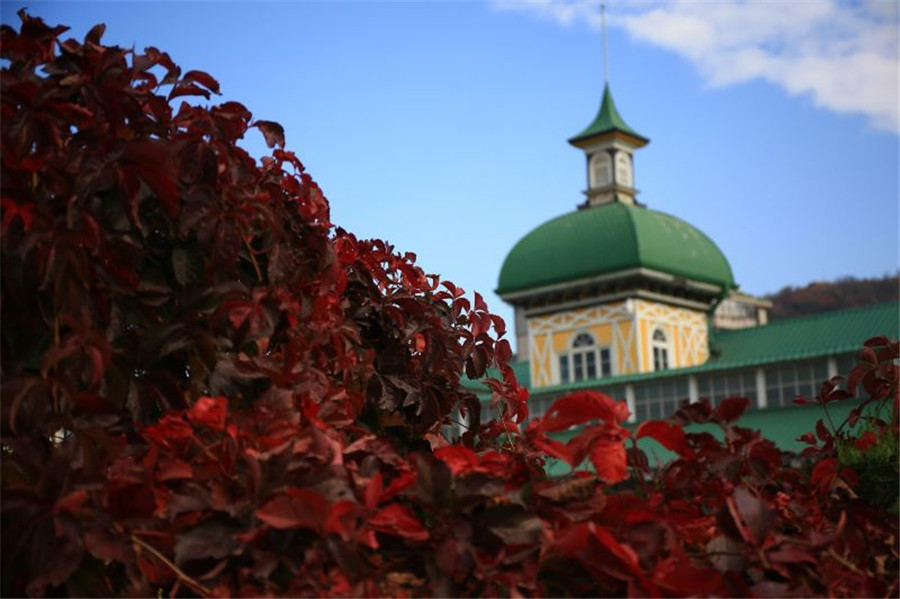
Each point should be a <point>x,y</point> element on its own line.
<point>441,127</point>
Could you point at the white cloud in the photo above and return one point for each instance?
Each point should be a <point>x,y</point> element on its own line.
<point>845,57</point>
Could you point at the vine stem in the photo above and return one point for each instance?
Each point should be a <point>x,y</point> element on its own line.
<point>259,276</point>
<point>197,586</point>
<point>509,440</point>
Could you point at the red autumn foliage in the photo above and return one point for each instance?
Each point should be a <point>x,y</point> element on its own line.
<point>207,389</point>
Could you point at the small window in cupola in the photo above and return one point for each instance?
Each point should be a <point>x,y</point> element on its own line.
<point>601,169</point>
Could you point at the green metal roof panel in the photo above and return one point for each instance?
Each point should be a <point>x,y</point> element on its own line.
<point>607,119</point>
<point>807,336</point>
<point>804,337</point>
<point>607,239</point>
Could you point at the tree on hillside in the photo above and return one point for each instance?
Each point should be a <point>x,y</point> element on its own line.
<point>209,390</point>
<point>846,292</point>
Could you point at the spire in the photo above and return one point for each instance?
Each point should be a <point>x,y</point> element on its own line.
<point>608,120</point>
<point>605,46</point>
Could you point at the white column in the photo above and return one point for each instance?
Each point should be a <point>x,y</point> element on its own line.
<point>693,391</point>
<point>832,367</point>
<point>520,325</point>
<point>629,401</point>
<point>761,400</point>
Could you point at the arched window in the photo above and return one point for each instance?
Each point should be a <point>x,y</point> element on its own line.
<point>660,345</point>
<point>623,170</point>
<point>601,169</point>
<point>585,360</point>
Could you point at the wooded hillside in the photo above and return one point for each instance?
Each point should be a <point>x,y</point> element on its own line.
<point>846,292</point>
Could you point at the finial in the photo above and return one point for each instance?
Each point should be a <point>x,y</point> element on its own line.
<point>605,48</point>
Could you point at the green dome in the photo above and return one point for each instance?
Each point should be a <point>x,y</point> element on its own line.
<point>608,239</point>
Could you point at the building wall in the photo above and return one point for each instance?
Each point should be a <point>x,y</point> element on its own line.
<point>626,327</point>
<point>686,333</point>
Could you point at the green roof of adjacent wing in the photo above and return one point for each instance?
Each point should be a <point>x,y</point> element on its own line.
<point>610,238</point>
<point>804,337</point>
<point>608,119</point>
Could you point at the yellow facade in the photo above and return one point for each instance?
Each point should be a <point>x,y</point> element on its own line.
<point>626,328</point>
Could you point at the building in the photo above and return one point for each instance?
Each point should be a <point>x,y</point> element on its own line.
<point>619,297</point>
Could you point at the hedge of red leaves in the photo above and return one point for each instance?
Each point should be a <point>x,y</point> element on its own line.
<point>207,389</point>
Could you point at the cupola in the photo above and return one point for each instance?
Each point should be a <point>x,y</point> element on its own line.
<point>609,144</point>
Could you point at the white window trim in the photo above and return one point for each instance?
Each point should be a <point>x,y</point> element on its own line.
<point>664,345</point>
<point>594,348</point>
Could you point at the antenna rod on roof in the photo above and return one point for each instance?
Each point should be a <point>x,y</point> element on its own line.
<point>605,48</point>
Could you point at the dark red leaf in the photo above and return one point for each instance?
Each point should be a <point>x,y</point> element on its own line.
<point>479,303</point>
<point>731,409</point>
<point>273,132</point>
<point>93,36</point>
<point>752,516</point>
<point>298,508</point>
<point>373,490</point>
<point>187,89</point>
<point>397,519</point>
<point>211,539</point>
<point>204,79</point>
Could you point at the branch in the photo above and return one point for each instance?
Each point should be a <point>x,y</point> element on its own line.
<point>178,571</point>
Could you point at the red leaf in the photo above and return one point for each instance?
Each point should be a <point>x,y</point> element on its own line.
<point>670,436</point>
<point>373,490</point>
<point>610,460</point>
<point>398,520</point>
<point>824,474</point>
<point>401,483</point>
<point>273,132</point>
<point>298,508</point>
<point>460,459</point>
<point>499,325</point>
<point>204,79</point>
<point>821,431</point>
<point>174,469</point>
<point>623,552</point>
<point>583,406</point>
<point>104,546</point>
<point>502,351</point>
<point>731,409</point>
<point>751,515</point>
<point>93,36</point>
<point>209,411</point>
<point>419,342</point>
<point>479,303</point>
<point>557,450</point>
<point>866,441</point>
<point>183,88</point>
<point>72,502</point>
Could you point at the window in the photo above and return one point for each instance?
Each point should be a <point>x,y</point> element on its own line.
<point>601,169</point>
<point>718,386</point>
<point>660,398</point>
<point>660,345</point>
<point>785,382</point>
<point>585,360</point>
<point>623,169</point>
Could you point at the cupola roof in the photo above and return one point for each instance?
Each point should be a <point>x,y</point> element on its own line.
<point>608,239</point>
<point>608,120</point>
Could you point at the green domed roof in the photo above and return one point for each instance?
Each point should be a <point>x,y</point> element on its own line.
<point>611,238</point>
